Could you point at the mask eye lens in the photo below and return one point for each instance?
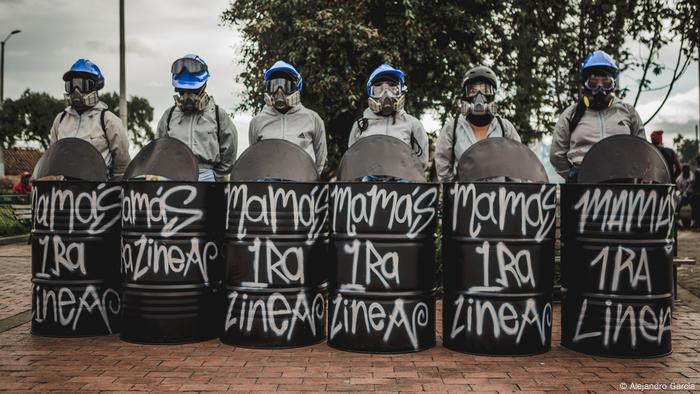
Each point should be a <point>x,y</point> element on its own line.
<point>273,85</point>
<point>392,88</point>
<point>479,87</point>
<point>600,82</point>
<point>83,84</point>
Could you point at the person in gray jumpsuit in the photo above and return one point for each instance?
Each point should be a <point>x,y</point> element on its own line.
<point>477,120</point>
<point>197,121</point>
<point>285,117</point>
<point>385,114</point>
<point>598,114</point>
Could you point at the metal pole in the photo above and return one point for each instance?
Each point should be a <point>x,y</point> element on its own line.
<point>2,73</point>
<point>122,67</point>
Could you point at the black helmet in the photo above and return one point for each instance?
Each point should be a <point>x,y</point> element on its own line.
<point>480,73</point>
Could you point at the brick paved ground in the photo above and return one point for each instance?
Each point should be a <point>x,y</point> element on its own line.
<point>15,280</point>
<point>689,246</point>
<point>105,364</point>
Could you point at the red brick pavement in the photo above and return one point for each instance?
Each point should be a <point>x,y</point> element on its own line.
<point>15,280</point>
<point>107,364</point>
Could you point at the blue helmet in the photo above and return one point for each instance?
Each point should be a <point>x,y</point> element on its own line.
<point>184,78</point>
<point>384,69</point>
<point>282,66</point>
<point>84,66</point>
<point>600,60</point>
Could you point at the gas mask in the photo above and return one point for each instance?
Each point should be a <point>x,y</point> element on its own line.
<point>598,91</point>
<point>80,100</point>
<point>478,103</point>
<point>81,93</point>
<point>386,98</point>
<point>282,93</point>
<point>190,101</point>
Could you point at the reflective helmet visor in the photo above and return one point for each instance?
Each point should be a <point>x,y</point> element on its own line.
<point>85,85</point>
<point>186,64</point>
<point>287,86</point>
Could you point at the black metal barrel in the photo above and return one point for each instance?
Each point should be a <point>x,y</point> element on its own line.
<point>617,252</point>
<point>75,243</point>
<point>170,250</point>
<point>498,252</point>
<point>382,296</point>
<point>276,245</point>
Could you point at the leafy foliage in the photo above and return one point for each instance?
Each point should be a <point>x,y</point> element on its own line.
<point>535,47</point>
<point>687,149</point>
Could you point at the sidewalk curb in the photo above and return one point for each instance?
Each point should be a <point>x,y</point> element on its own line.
<point>16,320</point>
<point>689,299</point>
<point>15,239</point>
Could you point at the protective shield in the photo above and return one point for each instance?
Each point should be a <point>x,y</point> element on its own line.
<point>380,155</point>
<point>72,158</point>
<point>274,159</point>
<point>500,157</point>
<point>166,157</point>
<point>609,160</point>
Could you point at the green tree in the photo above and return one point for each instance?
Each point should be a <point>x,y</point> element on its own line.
<point>30,117</point>
<point>535,47</point>
<point>687,149</point>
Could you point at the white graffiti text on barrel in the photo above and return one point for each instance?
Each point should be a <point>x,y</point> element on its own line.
<point>170,261</point>
<point>498,259</point>
<point>275,274</point>
<point>617,261</point>
<point>75,258</point>
<point>383,267</point>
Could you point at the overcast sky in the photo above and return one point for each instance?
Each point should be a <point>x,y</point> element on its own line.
<point>57,32</point>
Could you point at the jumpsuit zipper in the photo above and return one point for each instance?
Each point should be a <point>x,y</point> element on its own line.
<point>282,125</point>
<point>80,120</point>
<point>602,125</point>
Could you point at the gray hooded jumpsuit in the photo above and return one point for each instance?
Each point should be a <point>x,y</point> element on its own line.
<point>568,148</point>
<point>214,150</point>
<point>405,128</point>
<point>299,125</point>
<point>446,159</point>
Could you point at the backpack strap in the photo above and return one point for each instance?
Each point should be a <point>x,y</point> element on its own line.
<point>104,131</point>
<point>218,125</point>
<point>500,124</point>
<point>454,140</point>
<point>170,116</point>
<point>576,117</point>
<point>362,124</point>
<point>63,115</point>
<point>102,122</point>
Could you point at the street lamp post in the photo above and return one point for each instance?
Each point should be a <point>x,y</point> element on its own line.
<point>122,67</point>
<point>2,64</point>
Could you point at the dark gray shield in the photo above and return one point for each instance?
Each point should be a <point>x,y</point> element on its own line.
<point>497,157</point>
<point>166,157</point>
<point>380,155</point>
<point>622,157</point>
<point>72,158</point>
<point>274,159</point>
